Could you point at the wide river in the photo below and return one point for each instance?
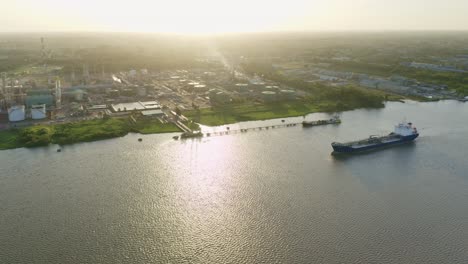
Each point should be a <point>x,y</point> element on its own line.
<point>271,196</point>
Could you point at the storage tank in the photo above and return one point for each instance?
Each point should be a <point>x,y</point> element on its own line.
<point>37,97</point>
<point>78,95</point>
<point>242,87</point>
<point>38,112</point>
<point>200,88</point>
<point>269,96</point>
<point>141,91</point>
<point>288,94</point>
<point>16,113</point>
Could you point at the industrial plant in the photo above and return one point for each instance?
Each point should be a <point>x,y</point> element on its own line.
<point>47,93</point>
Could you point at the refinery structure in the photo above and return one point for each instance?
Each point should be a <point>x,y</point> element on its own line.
<point>46,93</point>
<point>20,102</point>
<point>95,94</point>
<point>87,92</point>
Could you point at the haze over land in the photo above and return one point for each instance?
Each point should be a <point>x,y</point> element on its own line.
<point>221,16</point>
<point>221,62</point>
<point>202,131</point>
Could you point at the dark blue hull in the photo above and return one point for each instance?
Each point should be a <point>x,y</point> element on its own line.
<point>351,149</point>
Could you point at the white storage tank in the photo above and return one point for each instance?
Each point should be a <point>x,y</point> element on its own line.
<point>78,95</point>
<point>141,91</point>
<point>38,111</point>
<point>288,94</point>
<point>16,113</point>
<point>269,96</point>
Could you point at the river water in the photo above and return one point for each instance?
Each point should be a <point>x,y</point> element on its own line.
<point>274,196</point>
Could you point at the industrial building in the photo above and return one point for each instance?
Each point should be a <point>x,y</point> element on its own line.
<point>288,94</point>
<point>218,97</point>
<point>269,96</point>
<point>242,87</point>
<point>152,113</point>
<point>38,97</point>
<point>135,106</point>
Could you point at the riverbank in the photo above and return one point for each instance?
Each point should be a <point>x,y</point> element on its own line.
<point>229,114</point>
<point>85,131</point>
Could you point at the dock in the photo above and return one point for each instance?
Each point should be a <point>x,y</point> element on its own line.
<point>230,131</point>
<point>182,126</point>
<point>188,133</point>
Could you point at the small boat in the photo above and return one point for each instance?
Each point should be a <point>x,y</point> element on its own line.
<point>140,139</point>
<point>59,150</point>
<point>191,135</point>
<point>333,121</point>
<point>175,137</point>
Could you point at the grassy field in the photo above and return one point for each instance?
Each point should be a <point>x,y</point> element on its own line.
<point>252,111</point>
<point>154,126</point>
<point>90,130</point>
<point>8,139</point>
<point>84,131</point>
<point>454,80</point>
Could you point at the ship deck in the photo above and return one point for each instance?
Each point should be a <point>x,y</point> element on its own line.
<point>372,141</point>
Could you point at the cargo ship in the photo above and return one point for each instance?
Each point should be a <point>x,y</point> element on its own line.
<point>334,120</point>
<point>403,133</point>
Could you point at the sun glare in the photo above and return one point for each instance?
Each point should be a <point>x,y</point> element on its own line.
<point>194,17</point>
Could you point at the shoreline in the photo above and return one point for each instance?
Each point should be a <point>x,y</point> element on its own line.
<point>231,114</point>
<point>44,135</point>
<point>101,129</point>
<point>79,132</point>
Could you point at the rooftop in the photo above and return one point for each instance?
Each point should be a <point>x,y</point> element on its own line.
<point>135,106</point>
<point>152,112</point>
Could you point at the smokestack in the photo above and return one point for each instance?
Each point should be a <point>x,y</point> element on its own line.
<point>4,82</point>
<point>43,51</point>
<point>73,75</point>
<point>58,93</point>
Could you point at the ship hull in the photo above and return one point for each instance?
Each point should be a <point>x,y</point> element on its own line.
<point>354,149</point>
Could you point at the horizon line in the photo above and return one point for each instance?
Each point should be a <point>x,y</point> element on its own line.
<point>240,32</point>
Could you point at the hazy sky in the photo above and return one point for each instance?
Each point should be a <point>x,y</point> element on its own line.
<point>217,16</point>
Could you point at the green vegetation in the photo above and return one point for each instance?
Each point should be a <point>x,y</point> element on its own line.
<point>454,80</point>
<point>247,112</point>
<point>90,130</point>
<point>154,126</point>
<point>84,131</point>
<point>321,99</point>
<point>344,96</point>
<point>35,136</point>
<point>229,114</point>
<point>192,125</point>
<point>8,139</point>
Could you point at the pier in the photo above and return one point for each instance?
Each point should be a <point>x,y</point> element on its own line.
<point>182,126</point>
<point>189,133</point>
<point>230,131</point>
